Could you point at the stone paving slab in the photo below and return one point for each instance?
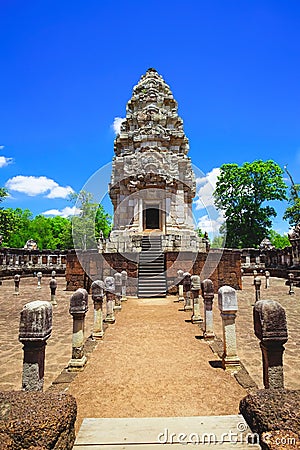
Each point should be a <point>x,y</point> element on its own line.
<point>164,432</point>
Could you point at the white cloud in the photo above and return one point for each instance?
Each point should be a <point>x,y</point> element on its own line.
<point>205,188</point>
<point>209,224</point>
<point>117,124</point>
<point>32,186</point>
<point>65,212</point>
<point>60,192</point>
<point>4,161</point>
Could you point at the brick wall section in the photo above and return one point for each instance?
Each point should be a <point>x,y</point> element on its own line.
<point>221,266</point>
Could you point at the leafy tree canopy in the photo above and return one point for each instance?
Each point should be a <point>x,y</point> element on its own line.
<point>292,213</point>
<point>91,223</point>
<point>241,193</point>
<point>278,240</point>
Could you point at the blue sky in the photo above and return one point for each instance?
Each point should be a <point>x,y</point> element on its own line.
<point>68,69</point>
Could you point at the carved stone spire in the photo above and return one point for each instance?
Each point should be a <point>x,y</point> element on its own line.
<point>152,120</point>
<point>152,184</point>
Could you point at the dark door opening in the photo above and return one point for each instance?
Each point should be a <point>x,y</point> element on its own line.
<point>151,216</point>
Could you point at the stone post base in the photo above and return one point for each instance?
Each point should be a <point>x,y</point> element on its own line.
<point>76,365</point>
<point>231,363</point>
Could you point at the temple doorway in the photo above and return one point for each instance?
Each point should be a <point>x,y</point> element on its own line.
<point>152,218</point>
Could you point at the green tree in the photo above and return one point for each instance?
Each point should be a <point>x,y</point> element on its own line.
<point>292,213</point>
<point>278,240</point>
<point>241,193</point>
<point>218,242</point>
<point>22,230</point>
<point>91,221</point>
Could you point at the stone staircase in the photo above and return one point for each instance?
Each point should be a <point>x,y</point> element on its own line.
<point>151,276</point>
<point>174,433</point>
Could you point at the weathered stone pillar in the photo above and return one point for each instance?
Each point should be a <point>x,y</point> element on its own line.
<point>180,286</point>
<point>109,285</point>
<point>267,275</point>
<point>98,297</point>
<point>53,286</point>
<point>187,291</point>
<point>228,306</point>
<point>195,288</point>
<point>254,275</point>
<point>39,279</point>
<point>78,309</point>
<point>271,328</point>
<point>257,285</point>
<point>118,291</point>
<point>291,283</point>
<point>35,328</point>
<point>207,288</point>
<point>124,285</point>
<point>17,284</point>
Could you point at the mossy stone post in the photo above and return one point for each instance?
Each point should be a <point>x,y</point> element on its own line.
<point>187,291</point>
<point>267,276</point>
<point>207,289</point>
<point>257,285</point>
<point>291,277</point>
<point>118,291</point>
<point>180,297</point>
<point>124,285</point>
<point>17,279</point>
<point>270,328</point>
<point>228,307</point>
<point>195,289</point>
<point>53,286</point>
<point>39,279</point>
<point>78,309</point>
<point>109,285</point>
<point>35,328</point>
<point>98,297</point>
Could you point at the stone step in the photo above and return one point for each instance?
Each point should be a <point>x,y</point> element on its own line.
<point>174,433</point>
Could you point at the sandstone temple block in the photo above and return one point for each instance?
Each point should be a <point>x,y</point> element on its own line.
<point>153,185</point>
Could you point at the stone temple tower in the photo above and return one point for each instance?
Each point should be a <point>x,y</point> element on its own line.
<point>152,184</point>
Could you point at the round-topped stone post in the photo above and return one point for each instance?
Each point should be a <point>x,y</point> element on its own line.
<point>39,279</point>
<point>109,286</point>
<point>124,285</point>
<point>98,297</point>
<point>228,307</point>
<point>267,279</point>
<point>78,309</point>
<point>180,297</point>
<point>17,279</point>
<point>207,289</point>
<point>53,274</point>
<point>53,286</point>
<point>195,288</point>
<point>291,277</point>
<point>187,291</point>
<point>270,328</point>
<point>118,291</point>
<point>35,328</point>
<point>257,285</point>
<point>254,275</point>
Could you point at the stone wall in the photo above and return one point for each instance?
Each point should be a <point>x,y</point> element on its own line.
<point>26,262</point>
<point>221,266</point>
